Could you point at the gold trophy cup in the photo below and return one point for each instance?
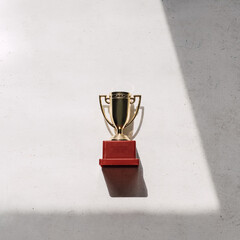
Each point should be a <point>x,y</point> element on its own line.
<point>120,112</point>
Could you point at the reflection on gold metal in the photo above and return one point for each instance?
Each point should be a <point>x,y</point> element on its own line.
<point>120,111</point>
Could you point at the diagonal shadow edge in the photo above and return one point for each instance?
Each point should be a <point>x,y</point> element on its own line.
<point>203,68</point>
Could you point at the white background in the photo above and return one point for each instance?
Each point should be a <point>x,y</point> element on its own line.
<point>56,57</point>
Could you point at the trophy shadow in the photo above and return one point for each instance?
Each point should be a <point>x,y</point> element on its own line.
<point>125,181</point>
<point>129,130</point>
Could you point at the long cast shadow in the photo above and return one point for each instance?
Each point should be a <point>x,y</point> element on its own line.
<point>125,181</point>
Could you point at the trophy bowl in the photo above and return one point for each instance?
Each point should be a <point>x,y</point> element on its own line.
<point>120,112</point>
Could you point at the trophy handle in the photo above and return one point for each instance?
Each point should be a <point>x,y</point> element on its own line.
<point>107,100</point>
<point>138,106</point>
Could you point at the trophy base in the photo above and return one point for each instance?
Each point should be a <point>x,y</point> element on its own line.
<point>119,153</point>
<point>120,137</point>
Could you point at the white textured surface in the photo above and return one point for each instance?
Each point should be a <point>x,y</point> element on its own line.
<point>56,57</point>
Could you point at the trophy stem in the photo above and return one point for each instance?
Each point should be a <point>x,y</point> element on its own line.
<point>120,136</point>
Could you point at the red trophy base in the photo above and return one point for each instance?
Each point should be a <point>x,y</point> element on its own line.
<point>119,153</point>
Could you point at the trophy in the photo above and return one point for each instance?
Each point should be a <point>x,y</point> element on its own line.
<point>120,150</point>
